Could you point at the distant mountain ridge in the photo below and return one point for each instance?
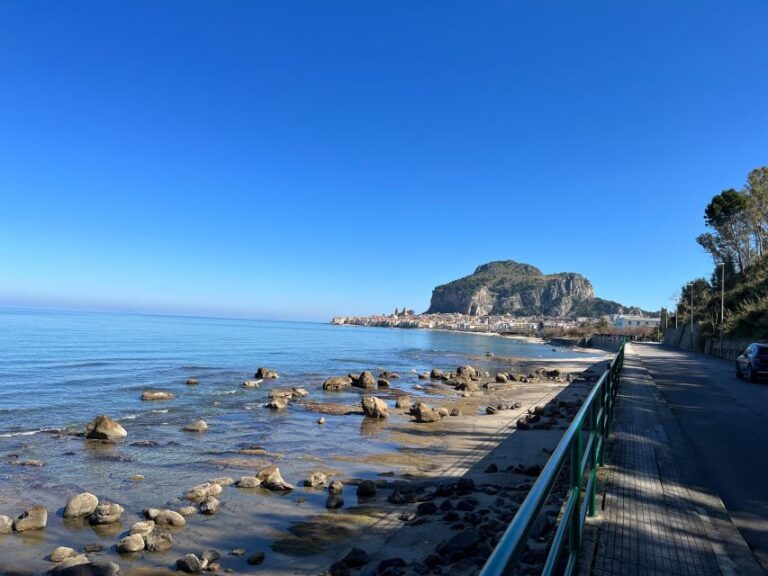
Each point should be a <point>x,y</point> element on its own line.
<point>509,287</point>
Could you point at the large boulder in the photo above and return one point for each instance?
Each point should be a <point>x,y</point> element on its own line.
<point>374,407</point>
<point>271,479</point>
<point>336,383</point>
<point>365,380</point>
<point>266,373</point>
<point>81,505</point>
<point>106,513</point>
<point>425,413</point>
<point>150,395</point>
<point>104,428</point>
<point>35,518</point>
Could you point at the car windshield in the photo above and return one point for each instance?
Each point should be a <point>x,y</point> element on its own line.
<point>762,351</point>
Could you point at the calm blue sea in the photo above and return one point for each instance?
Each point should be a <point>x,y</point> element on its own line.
<point>59,369</point>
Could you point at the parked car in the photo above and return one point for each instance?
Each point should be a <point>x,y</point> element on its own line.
<point>753,362</point>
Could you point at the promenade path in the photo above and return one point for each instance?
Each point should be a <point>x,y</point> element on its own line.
<point>662,513</point>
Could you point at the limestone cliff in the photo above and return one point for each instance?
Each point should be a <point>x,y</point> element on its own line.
<point>509,287</point>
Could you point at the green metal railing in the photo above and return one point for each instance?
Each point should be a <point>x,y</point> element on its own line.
<point>584,459</point>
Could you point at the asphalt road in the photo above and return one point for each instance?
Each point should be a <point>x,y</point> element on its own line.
<point>724,422</point>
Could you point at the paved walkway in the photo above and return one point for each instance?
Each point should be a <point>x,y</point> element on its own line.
<point>652,524</point>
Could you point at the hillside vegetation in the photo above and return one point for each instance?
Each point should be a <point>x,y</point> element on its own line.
<point>738,244</point>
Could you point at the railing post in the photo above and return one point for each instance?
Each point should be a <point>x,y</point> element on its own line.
<point>574,538</point>
<point>594,434</point>
<point>608,403</point>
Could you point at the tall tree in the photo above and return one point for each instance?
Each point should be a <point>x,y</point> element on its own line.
<point>756,191</point>
<point>727,215</point>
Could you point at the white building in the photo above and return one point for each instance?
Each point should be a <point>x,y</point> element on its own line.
<point>623,321</point>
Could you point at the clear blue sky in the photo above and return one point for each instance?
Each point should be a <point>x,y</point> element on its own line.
<point>302,159</point>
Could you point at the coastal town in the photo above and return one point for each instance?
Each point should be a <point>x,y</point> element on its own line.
<point>504,323</point>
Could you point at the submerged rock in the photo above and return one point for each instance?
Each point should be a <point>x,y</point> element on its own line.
<point>151,395</point>
<point>104,428</point>
<point>196,426</point>
<point>81,505</point>
<point>223,481</point>
<point>34,518</point>
<point>192,382</point>
<point>251,383</point>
